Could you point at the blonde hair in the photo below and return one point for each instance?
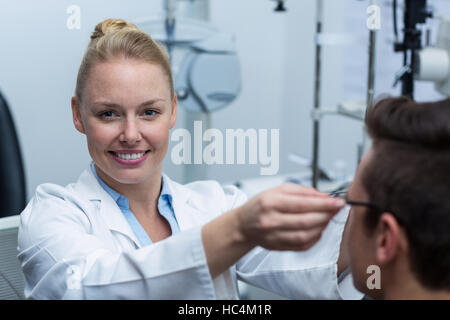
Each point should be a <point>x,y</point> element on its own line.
<point>115,38</point>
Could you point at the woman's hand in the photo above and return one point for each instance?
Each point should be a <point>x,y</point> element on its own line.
<point>288,217</point>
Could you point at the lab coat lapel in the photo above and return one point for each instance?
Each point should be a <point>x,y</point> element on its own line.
<point>180,196</point>
<point>186,213</point>
<point>110,212</point>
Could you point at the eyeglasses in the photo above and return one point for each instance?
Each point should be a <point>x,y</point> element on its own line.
<point>342,194</point>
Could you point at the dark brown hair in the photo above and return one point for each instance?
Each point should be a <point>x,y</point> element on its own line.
<point>409,175</point>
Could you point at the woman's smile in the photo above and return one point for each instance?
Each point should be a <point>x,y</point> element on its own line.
<point>129,157</point>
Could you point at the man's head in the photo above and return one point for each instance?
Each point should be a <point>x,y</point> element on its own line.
<point>402,225</point>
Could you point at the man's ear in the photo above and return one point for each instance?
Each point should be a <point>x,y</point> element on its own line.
<point>173,116</point>
<point>389,239</point>
<point>76,115</point>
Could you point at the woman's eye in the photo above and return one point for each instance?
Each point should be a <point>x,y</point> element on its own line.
<point>107,114</point>
<point>150,112</point>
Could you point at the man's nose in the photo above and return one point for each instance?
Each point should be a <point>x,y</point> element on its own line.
<point>131,133</point>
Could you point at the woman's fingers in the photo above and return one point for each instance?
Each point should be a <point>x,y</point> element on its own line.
<point>289,203</point>
<point>289,217</point>
<point>294,240</point>
<point>304,221</point>
<point>296,189</point>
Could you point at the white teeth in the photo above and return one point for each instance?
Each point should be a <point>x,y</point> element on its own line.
<point>130,156</point>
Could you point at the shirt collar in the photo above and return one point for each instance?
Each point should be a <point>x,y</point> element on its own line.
<point>165,190</point>
<point>122,200</point>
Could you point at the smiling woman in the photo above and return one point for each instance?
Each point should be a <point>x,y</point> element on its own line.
<point>118,124</point>
<point>124,230</point>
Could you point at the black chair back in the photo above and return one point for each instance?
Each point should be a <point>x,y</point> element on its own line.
<point>12,176</point>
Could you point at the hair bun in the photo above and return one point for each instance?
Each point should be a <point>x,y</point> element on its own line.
<point>110,25</point>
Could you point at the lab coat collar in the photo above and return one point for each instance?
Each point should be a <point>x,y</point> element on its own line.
<point>180,203</point>
<point>89,188</point>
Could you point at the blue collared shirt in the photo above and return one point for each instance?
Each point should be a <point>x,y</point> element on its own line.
<point>164,206</point>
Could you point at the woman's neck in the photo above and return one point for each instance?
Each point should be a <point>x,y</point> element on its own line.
<point>143,195</point>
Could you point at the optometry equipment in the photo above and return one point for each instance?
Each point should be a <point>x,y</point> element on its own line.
<point>353,109</point>
<point>433,62</point>
<point>415,12</point>
<point>209,76</point>
<point>280,6</point>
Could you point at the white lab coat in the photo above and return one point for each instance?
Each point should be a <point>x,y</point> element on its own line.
<point>75,243</point>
